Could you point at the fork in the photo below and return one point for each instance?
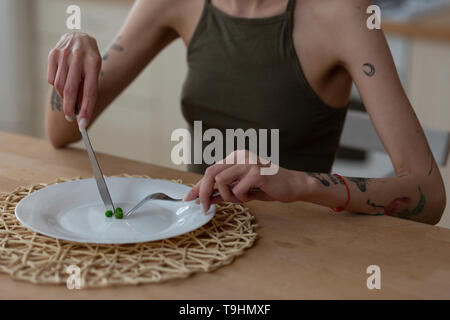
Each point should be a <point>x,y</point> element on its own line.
<point>163,196</point>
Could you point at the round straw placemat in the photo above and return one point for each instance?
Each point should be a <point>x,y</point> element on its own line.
<point>30,256</point>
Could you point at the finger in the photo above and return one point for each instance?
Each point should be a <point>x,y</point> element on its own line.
<point>61,73</point>
<point>225,195</point>
<point>90,88</point>
<point>208,181</point>
<point>52,66</point>
<point>216,199</point>
<point>242,189</point>
<point>79,101</point>
<point>193,193</point>
<point>226,179</point>
<point>71,89</point>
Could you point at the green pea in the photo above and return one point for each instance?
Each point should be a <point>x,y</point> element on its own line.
<point>109,213</point>
<point>119,213</point>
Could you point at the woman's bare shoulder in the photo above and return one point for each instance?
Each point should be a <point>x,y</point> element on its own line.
<point>183,16</point>
<point>331,24</point>
<point>181,12</point>
<point>332,12</point>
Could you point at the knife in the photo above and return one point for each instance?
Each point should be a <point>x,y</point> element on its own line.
<point>99,179</point>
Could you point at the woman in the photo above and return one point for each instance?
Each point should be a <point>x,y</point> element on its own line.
<point>265,64</point>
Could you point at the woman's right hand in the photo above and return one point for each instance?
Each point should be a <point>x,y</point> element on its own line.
<point>73,69</point>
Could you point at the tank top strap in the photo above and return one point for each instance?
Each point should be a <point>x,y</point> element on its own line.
<point>290,6</point>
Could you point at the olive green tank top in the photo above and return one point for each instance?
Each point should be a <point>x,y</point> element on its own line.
<point>245,73</point>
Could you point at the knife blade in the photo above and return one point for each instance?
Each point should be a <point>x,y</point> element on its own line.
<point>99,179</point>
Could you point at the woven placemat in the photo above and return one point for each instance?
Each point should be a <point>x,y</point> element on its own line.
<point>30,256</point>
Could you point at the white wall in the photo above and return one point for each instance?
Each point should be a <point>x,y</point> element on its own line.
<point>15,67</point>
<point>139,123</point>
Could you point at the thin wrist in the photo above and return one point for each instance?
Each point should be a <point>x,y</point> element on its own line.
<point>320,189</point>
<point>347,202</point>
<point>307,188</point>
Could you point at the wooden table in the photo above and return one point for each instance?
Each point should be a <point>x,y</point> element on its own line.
<point>304,252</point>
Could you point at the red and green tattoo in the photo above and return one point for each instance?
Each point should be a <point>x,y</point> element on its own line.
<point>394,207</point>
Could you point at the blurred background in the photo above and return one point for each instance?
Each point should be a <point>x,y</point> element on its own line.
<point>148,111</point>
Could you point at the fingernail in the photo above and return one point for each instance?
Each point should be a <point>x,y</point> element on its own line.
<point>204,208</point>
<point>82,124</point>
<point>69,118</point>
<point>184,198</point>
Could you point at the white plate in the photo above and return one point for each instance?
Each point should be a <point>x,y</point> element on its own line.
<point>74,211</point>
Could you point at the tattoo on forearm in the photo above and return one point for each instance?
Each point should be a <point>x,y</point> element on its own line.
<point>370,214</point>
<point>392,208</point>
<point>323,180</point>
<point>320,178</point>
<point>55,101</point>
<point>333,179</point>
<point>115,47</point>
<point>373,205</point>
<point>361,183</point>
<point>407,214</point>
<point>369,69</point>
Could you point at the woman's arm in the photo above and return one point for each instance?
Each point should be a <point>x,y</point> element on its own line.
<point>417,192</point>
<point>76,69</point>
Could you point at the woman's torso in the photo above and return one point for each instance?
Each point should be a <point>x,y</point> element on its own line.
<point>267,73</point>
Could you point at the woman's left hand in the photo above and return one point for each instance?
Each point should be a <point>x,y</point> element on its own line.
<point>235,180</point>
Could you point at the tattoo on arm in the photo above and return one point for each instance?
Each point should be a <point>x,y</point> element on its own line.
<point>115,47</point>
<point>393,210</point>
<point>361,183</point>
<point>320,178</point>
<point>55,101</point>
<point>369,69</point>
<point>323,180</point>
<point>333,179</point>
<point>373,205</point>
